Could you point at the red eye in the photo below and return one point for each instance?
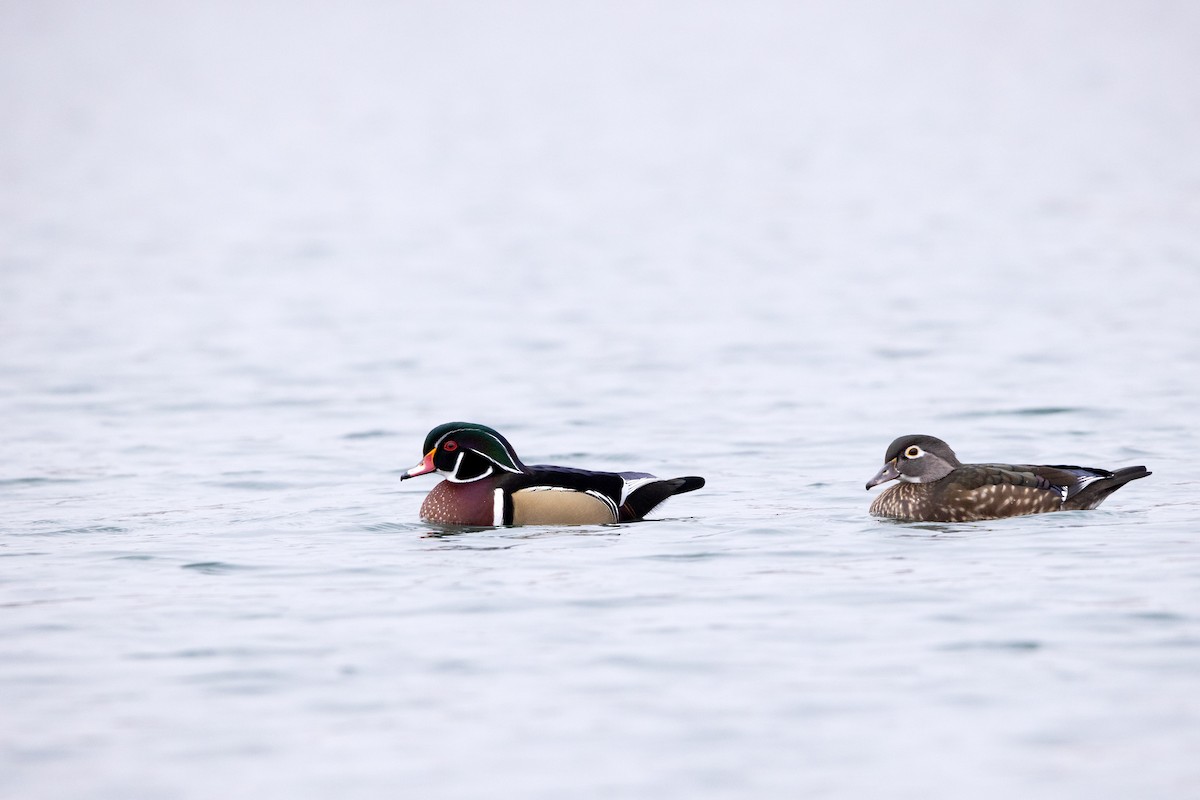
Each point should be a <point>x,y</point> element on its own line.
<point>450,446</point>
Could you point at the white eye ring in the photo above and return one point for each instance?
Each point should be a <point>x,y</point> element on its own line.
<point>913,452</point>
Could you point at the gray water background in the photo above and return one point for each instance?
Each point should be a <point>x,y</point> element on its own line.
<point>251,252</point>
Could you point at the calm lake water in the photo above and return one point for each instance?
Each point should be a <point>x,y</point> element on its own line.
<point>251,253</point>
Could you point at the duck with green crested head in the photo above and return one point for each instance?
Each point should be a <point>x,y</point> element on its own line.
<point>485,484</point>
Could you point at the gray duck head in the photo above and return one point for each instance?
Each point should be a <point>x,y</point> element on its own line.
<point>916,458</point>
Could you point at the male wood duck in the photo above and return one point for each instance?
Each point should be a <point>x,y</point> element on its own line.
<point>486,484</point>
<point>936,487</point>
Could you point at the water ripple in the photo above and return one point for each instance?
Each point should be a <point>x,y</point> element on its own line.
<point>1035,411</point>
<point>217,567</point>
<point>1014,645</point>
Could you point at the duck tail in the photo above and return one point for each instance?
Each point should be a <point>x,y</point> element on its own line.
<point>1096,492</point>
<point>646,498</point>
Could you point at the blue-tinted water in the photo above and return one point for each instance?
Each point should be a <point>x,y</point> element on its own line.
<point>249,255</point>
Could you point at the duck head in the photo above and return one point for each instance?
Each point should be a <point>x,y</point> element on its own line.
<point>462,452</point>
<point>916,459</point>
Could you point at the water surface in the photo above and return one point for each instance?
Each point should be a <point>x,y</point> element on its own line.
<point>249,255</point>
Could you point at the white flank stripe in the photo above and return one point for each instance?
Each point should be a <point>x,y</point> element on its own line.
<point>612,507</point>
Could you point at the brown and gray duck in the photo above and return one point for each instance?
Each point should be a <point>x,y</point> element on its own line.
<point>485,484</point>
<point>934,486</point>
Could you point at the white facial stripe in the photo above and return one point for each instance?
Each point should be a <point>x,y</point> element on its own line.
<point>447,435</point>
<point>503,448</point>
<point>494,461</point>
<point>504,467</point>
<point>452,476</point>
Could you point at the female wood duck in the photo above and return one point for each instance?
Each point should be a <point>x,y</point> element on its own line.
<point>486,484</point>
<point>936,487</point>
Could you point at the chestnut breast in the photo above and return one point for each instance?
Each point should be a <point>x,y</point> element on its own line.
<point>460,503</point>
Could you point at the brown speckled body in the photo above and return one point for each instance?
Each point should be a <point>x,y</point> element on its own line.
<point>950,501</point>
<point>460,503</point>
